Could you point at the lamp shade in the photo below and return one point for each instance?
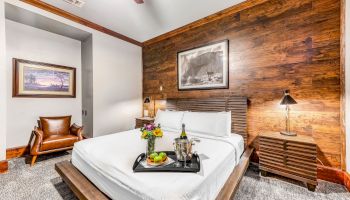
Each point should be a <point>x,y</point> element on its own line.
<point>287,99</point>
<point>147,100</point>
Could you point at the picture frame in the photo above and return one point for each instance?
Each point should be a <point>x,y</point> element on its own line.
<point>42,80</point>
<point>204,67</point>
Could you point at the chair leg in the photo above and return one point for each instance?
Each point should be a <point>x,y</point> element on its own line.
<point>33,160</point>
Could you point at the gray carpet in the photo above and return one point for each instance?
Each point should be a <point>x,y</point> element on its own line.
<point>42,182</point>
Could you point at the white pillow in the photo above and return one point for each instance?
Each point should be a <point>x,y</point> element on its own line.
<point>169,119</point>
<point>216,124</point>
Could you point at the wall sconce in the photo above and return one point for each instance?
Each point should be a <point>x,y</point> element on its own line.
<point>145,111</point>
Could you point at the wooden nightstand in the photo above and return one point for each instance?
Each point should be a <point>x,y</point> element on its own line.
<point>290,156</point>
<point>140,121</point>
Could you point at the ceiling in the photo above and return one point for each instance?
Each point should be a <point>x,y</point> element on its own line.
<point>144,21</point>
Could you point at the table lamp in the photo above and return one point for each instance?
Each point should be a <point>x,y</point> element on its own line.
<point>146,101</point>
<point>287,100</point>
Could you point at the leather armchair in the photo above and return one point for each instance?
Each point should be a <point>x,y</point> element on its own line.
<point>54,134</point>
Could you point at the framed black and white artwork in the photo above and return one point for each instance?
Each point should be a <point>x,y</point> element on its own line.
<point>204,67</point>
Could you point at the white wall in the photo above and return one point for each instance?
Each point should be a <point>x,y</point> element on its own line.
<point>347,82</point>
<point>26,42</point>
<point>87,86</point>
<point>3,83</point>
<point>114,111</point>
<point>117,84</point>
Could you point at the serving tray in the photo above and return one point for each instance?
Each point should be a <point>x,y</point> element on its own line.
<point>193,165</point>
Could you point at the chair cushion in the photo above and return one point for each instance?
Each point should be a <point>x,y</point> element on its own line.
<point>58,141</point>
<point>55,125</point>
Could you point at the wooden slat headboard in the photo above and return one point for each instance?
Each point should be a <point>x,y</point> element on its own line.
<point>236,104</point>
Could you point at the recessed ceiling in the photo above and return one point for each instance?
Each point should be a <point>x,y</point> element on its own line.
<point>144,21</point>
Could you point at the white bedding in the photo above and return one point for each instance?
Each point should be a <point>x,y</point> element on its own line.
<point>107,162</point>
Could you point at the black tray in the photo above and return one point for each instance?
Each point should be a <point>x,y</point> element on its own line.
<point>194,164</point>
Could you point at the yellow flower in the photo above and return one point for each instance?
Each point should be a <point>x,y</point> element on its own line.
<point>158,132</point>
<point>144,134</point>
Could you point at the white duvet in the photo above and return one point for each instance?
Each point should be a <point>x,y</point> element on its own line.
<point>107,162</point>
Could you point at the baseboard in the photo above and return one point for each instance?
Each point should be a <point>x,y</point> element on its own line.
<point>347,180</point>
<point>4,166</point>
<point>17,152</point>
<point>330,174</point>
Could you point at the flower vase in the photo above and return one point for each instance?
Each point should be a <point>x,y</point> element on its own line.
<point>150,145</point>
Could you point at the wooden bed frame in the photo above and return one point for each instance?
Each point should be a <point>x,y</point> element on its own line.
<point>86,190</point>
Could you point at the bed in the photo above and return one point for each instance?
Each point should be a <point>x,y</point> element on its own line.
<point>101,168</point>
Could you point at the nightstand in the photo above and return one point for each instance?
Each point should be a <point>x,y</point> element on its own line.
<point>140,121</point>
<point>289,156</point>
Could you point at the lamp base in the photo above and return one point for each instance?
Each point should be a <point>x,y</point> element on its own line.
<point>288,133</point>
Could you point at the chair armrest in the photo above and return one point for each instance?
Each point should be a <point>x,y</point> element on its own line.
<point>77,131</point>
<point>37,141</point>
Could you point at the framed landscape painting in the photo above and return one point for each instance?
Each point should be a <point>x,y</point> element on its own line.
<point>37,79</point>
<point>204,67</point>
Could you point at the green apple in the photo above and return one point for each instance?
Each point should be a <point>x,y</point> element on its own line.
<point>158,159</point>
<point>153,155</point>
<point>163,155</point>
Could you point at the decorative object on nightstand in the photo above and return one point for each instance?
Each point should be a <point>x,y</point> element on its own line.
<point>287,100</point>
<point>140,121</point>
<point>148,101</point>
<point>292,157</point>
<point>146,111</point>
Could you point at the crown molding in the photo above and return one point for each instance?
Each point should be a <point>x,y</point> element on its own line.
<point>52,9</point>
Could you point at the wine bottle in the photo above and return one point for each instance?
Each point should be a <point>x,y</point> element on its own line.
<point>183,133</point>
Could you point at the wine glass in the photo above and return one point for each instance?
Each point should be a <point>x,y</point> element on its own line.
<point>176,149</point>
<point>184,154</point>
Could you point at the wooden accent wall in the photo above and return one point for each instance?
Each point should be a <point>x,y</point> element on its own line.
<point>273,46</point>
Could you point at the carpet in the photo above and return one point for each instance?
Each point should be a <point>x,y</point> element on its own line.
<point>42,182</point>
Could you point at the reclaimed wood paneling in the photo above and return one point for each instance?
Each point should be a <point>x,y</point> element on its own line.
<point>342,83</point>
<point>275,45</point>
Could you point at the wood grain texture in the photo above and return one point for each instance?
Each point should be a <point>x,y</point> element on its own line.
<point>17,152</point>
<point>347,180</point>
<point>290,156</point>
<point>4,166</point>
<point>342,84</point>
<point>330,174</point>
<point>275,45</point>
<point>205,20</point>
<point>333,175</point>
<point>49,8</point>
<point>78,183</point>
<point>140,122</point>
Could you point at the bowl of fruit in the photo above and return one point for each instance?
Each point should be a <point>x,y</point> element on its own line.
<point>156,159</point>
